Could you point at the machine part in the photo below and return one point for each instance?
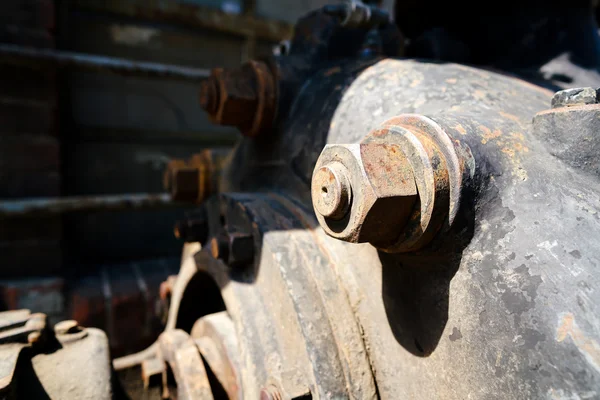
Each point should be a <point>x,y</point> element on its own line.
<point>121,299</point>
<point>244,97</point>
<point>181,353</point>
<point>31,356</point>
<point>51,58</point>
<point>197,178</point>
<point>408,158</point>
<point>41,206</point>
<point>192,230</point>
<point>216,339</point>
<point>356,14</point>
<point>570,128</point>
<point>575,97</point>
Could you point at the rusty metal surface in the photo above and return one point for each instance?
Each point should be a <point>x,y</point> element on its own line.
<point>501,265</point>
<point>486,285</point>
<point>41,206</point>
<point>50,58</point>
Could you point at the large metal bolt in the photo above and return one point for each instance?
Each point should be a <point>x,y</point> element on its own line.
<point>244,97</point>
<point>332,193</point>
<point>395,189</point>
<point>363,192</point>
<point>575,97</point>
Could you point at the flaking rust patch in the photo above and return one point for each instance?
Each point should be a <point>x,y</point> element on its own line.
<point>511,145</point>
<point>587,346</point>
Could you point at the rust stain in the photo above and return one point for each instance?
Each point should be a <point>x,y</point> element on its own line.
<point>509,116</point>
<point>589,347</point>
<point>416,82</point>
<point>460,129</point>
<point>479,94</point>
<point>332,71</point>
<point>488,134</point>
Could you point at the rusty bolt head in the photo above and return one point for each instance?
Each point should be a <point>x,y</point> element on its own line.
<point>66,327</point>
<point>183,182</point>
<point>383,191</point>
<point>243,97</point>
<point>331,191</point>
<point>575,97</point>
<point>234,249</point>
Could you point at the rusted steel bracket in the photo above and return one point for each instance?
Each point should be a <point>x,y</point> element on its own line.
<point>46,58</point>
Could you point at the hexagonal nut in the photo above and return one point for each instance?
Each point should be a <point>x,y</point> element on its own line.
<point>238,97</point>
<point>382,186</point>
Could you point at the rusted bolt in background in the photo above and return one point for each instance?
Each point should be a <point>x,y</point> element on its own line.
<point>392,189</point>
<point>234,249</point>
<point>196,179</point>
<point>243,97</point>
<point>575,97</point>
<point>193,228</point>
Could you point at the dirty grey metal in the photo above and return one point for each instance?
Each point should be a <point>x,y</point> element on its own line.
<point>570,133</point>
<point>575,97</point>
<point>41,206</point>
<point>180,351</point>
<point>46,58</point>
<point>36,364</point>
<point>84,364</point>
<point>216,339</point>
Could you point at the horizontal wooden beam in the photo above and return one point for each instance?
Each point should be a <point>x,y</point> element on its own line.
<point>191,15</point>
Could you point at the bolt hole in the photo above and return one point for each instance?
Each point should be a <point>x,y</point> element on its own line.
<point>324,190</point>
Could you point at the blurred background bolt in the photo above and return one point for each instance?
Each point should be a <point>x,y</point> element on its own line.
<point>194,228</point>
<point>234,249</point>
<point>244,97</point>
